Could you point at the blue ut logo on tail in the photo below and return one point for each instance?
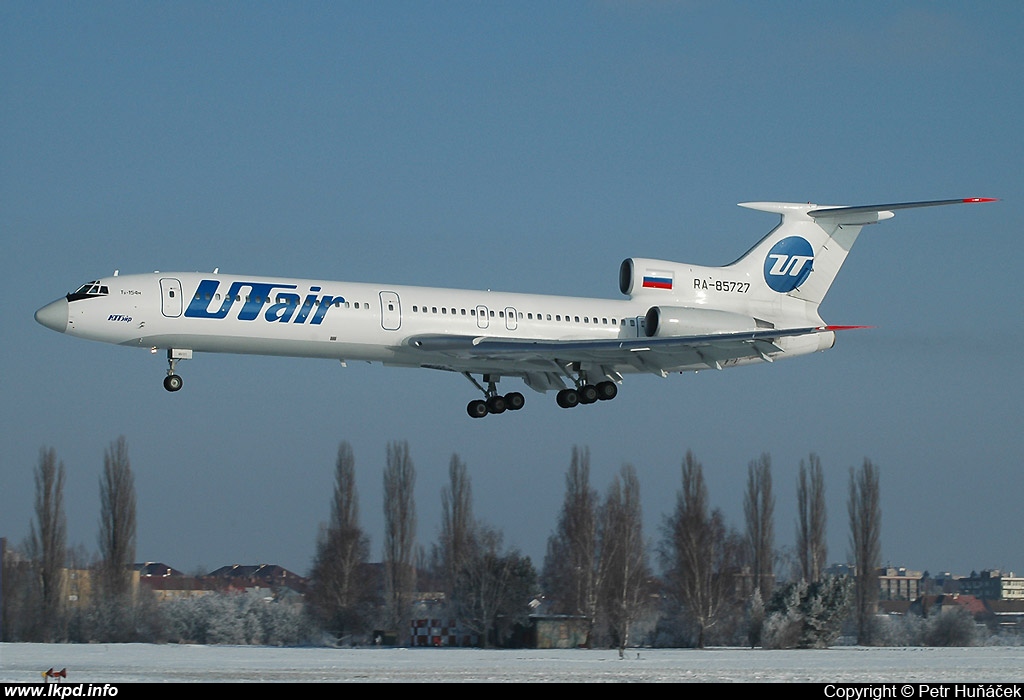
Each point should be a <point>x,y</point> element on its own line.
<point>788,263</point>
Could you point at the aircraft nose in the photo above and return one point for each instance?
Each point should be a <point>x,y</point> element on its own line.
<point>54,315</point>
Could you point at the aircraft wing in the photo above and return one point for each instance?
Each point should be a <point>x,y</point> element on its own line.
<point>658,355</point>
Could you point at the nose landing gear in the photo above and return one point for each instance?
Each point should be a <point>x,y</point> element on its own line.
<point>173,382</point>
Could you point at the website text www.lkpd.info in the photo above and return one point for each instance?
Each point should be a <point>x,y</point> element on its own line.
<point>61,690</point>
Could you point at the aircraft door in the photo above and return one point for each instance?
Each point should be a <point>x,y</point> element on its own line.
<point>481,317</point>
<point>390,311</point>
<point>510,318</point>
<point>170,297</point>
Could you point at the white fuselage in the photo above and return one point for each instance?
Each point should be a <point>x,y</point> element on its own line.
<point>347,321</point>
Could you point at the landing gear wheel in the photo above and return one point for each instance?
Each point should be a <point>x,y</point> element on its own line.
<point>567,398</point>
<point>588,393</point>
<point>496,404</point>
<point>172,382</point>
<point>607,391</point>
<point>477,409</point>
<point>514,401</point>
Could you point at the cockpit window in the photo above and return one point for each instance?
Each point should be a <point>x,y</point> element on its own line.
<point>89,290</point>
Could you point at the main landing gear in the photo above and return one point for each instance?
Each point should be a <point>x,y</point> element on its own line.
<point>173,382</point>
<point>587,394</point>
<point>584,392</point>
<point>493,402</point>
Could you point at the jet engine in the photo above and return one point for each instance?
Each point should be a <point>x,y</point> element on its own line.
<point>670,321</point>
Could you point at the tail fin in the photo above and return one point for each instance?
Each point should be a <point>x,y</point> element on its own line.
<point>801,257</point>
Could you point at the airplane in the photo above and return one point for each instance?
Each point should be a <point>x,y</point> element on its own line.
<point>676,317</point>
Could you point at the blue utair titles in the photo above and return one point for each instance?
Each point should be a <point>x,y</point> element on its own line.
<point>284,307</point>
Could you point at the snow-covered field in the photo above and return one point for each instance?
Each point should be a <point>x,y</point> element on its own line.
<point>125,663</point>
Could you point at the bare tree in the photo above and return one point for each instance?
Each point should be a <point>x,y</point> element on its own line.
<point>399,532</point>
<point>339,583</point>
<point>698,554</point>
<point>48,545</point>
<point>117,522</point>
<point>494,586</point>
<point>458,529</point>
<point>624,563</point>
<point>570,574</point>
<point>865,538</point>
<point>812,548</point>
<point>116,609</point>
<point>759,509</point>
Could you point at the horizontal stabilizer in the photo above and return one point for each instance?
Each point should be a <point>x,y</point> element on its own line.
<point>833,211</point>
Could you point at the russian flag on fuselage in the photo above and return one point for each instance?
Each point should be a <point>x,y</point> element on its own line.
<point>657,279</point>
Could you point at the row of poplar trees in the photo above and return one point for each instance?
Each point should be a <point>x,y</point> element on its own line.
<point>716,585</point>
<point>34,596</point>
<point>482,583</point>
<point>597,565</point>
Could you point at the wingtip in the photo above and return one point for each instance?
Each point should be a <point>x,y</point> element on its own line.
<point>974,200</point>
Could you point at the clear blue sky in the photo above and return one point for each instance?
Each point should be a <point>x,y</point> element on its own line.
<point>528,146</point>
